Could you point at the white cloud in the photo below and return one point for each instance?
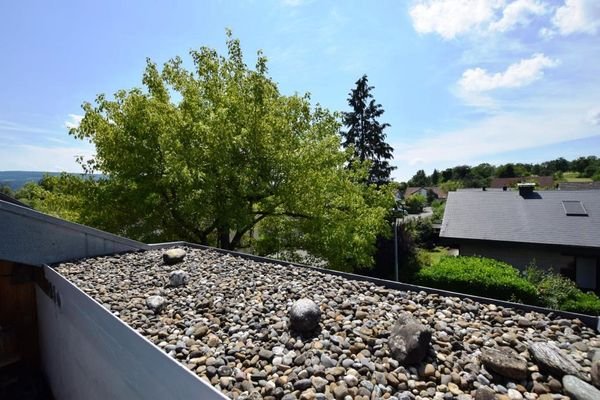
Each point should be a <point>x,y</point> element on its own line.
<point>522,73</point>
<point>73,121</point>
<point>450,18</point>
<point>578,16</point>
<point>519,12</point>
<point>594,116</point>
<point>497,134</point>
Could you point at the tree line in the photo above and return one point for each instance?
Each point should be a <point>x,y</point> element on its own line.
<point>481,175</point>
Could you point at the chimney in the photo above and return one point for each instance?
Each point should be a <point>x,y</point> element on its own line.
<point>526,189</point>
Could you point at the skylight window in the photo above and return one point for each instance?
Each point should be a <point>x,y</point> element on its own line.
<point>574,207</point>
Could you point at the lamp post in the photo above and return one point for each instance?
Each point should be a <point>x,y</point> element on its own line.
<point>397,220</point>
<point>396,278</point>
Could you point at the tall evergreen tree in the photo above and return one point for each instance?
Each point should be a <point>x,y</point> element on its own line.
<point>366,134</point>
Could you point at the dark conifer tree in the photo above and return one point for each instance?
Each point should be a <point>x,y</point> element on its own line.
<point>435,177</point>
<point>366,134</point>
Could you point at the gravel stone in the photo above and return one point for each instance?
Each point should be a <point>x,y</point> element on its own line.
<point>578,389</point>
<point>230,325</point>
<point>505,361</point>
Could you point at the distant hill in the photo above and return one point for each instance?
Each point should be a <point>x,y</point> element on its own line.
<point>17,179</point>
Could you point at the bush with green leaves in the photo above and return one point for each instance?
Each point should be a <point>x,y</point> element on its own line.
<point>561,293</point>
<point>421,231</point>
<point>438,207</point>
<point>478,276</point>
<point>414,203</point>
<point>584,303</point>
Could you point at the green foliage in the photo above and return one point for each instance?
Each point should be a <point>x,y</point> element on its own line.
<point>420,179</point>
<point>216,155</point>
<point>481,175</point>
<point>506,171</point>
<point>478,276</point>
<point>421,232</point>
<point>451,186</point>
<point>365,135</point>
<point>561,293</point>
<point>408,254</point>
<point>414,203</point>
<point>555,290</point>
<point>429,257</point>
<point>584,303</point>
<point>5,189</point>
<point>438,207</point>
<point>59,196</point>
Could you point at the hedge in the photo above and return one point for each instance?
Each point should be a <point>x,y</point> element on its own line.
<point>478,276</point>
<point>584,303</point>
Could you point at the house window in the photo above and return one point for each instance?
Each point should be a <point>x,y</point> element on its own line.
<point>585,272</point>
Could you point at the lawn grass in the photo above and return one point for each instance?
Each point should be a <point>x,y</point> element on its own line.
<point>573,177</point>
<point>432,257</point>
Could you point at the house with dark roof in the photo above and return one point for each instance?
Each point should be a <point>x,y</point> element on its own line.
<point>542,181</point>
<point>559,230</point>
<point>437,192</point>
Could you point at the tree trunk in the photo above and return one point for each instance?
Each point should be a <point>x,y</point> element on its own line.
<point>223,238</point>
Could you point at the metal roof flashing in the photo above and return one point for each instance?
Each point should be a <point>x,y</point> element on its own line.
<point>31,237</point>
<point>108,358</point>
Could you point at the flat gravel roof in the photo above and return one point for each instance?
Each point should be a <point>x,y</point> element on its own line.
<point>229,324</point>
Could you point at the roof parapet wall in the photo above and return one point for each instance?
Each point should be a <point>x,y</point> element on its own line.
<point>34,238</point>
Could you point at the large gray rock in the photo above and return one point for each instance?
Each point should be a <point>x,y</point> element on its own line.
<point>551,359</point>
<point>305,315</point>
<point>409,340</point>
<point>156,303</point>
<point>178,278</point>
<point>485,393</point>
<point>578,389</point>
<point>595,373</point>
<point>505,361</point>
<point>173,256</point>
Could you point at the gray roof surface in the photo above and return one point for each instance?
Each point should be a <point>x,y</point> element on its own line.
<point>506,216</point>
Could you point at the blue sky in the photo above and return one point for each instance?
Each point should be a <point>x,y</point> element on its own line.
<point>462,81</point>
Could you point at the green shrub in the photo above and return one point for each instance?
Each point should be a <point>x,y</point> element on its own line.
<point>555,290</point>
<point>414,203</point>
<point>438,208</point>
<point>421,232</point>
<point>424,258</point>
<point>478,276</point>
<point>560,293</point>
<point>584,303</point>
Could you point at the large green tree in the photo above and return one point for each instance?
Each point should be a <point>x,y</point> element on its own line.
<point>217,155</point>
<point>365,134</point>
